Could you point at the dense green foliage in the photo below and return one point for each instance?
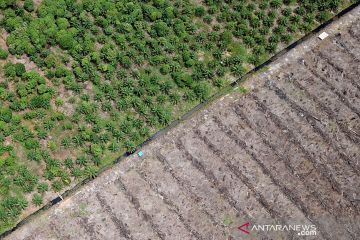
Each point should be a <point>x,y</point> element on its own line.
<point>3,54</point>
<point>111,73</point>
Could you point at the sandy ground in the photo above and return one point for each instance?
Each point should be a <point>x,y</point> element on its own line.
<point>285,153</point>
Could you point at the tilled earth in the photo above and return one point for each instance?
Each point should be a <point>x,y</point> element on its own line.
<point>285,153</point>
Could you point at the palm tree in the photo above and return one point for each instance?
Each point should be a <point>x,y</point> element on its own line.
<point>37,200</point>
<point>77,140</point>
<point>42,187</point>
<point>57,186</point>
<point>130,146</point>
<point>66,142</point>
<point>81,160</point>
<point>91,172</point>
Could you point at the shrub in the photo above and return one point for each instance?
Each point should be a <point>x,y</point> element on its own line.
<point>40,101</point>
<point>29,5</point>
<point>59,102</point>
<point>90,171</point>
<point>65,39</point>
<point>5,114</point>
<point>69,163</point>
<point>10,70</point>
<point>199,11</point>
<point>130,146</point>
<point>275,3</point>
<point>42,187</point>
<point>3,54</point>
<point>19,69</point>
<point>37,200</point>
<point>161,28</point>
<point>202,91</point>
<point>57,186</point>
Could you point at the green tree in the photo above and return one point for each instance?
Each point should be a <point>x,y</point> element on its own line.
<point>62,23</point>
<point>275,3</point>
<point>19,69</point>
<point>65,39</point>
<point>202,91</point>
<point>96,150</point>
<point>90,171</point>
<point>10,70</point>
<point>3,54</point>
<point>5,114</point>
<point>37,200</point>
<point>130,146</point>
<point>29,5</point>
<point>57,186</point>
<point>42,187</point>
<point>161,28</point>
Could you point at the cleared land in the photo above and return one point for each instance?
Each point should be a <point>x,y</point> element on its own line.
<point>286,152</point>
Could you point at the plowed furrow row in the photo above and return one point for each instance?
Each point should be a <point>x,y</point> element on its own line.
<point>309,153</point>
<point>298,195</point>
<point>302,169</point>
<point>268,123</point>
<point>344,137</point>
<point>340,61</point>
<point>354,30</point>
<point>124,210</point>
<point>244,164</point>
<point>241,180</point>
<point>338,56</point>
<point>209,176</point>
<point>295,202</point>
<point>332,122</point>
<point>342,84</point>
<point>349,45</point>
<point>310,84</point>
<point>318,196</point>
<point>120,226</point>
<point>259,152</point>
<point>101,228</point>
<point>348,75</point>
<point>274,162</point>
<point>98,229</point>
<point>350,160</point>
<point>228,178</point>
<point>64,230</point>
<point>207,206</point>
<point>55,230</point>
<point>187,205</point>
<point>215,201</point>
<point>88,228</point>
<point>144,215</point>
<point>345,176</point>
<point>242,159</point>
<point>174,208</point>
<point>349,123</point>
<point>331,93</point>
<point>258,201</point>
<point>162,214</point>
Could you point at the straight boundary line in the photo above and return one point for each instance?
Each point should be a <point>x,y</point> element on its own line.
<point>186,116</point>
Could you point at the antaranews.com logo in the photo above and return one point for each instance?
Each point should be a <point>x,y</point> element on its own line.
<point>300,229</point>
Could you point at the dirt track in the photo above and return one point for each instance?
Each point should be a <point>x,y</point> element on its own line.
<point>285,153</point>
